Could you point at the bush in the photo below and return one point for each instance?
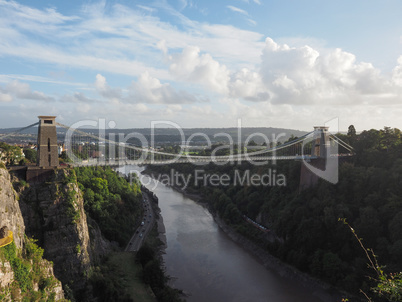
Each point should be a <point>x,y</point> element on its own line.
<point>28,270</point>
<point>145,254</point>
<point>32,250</point>
<point>31,155</point>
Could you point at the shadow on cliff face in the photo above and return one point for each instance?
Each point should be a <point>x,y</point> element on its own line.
<point>53,212</point>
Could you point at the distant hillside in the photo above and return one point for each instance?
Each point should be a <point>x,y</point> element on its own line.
<point>174,136</point>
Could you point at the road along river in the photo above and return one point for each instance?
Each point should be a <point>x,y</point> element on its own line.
<point>207,265</point>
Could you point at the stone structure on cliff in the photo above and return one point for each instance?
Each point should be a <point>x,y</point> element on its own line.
<point>47,142</point>
<point>48,156</point>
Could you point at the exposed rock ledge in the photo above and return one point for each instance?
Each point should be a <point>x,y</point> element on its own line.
<point>11,217</point>
<point>10,213</point>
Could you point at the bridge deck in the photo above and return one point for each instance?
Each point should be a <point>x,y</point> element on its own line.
<point>197,160</point>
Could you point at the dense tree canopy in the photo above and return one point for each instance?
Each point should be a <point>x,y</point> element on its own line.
<point>111,201</point>
<point>30,155</point>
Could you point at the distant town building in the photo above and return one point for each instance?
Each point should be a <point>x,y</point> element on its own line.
<point>61,149</point>
<point>96,154</point>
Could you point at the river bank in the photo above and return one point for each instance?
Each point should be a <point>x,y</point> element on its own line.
<point>320,289</point>
<point>157,241</point>
<point>160,226</point>
<point>161,229</point>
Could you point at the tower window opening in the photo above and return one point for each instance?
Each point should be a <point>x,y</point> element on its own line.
<point>48,144</point>
<point>47,121</point>
<point>50,160</point>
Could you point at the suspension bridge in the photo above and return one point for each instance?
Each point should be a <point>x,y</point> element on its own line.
<point>88,148</point>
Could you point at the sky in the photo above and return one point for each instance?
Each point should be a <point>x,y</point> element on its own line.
<point>201,63</point>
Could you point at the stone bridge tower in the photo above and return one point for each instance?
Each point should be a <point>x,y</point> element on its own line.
<point>47,142</point>
<point>320,152</point>
<point>320,142</point>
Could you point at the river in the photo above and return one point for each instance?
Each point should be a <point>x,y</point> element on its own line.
<point>207,265</point>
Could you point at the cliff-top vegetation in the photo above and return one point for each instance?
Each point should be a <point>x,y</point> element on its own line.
<point>112,201</point>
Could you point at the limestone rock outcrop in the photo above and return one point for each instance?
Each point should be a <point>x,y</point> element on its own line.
<point>11,219</point>
<point>10,213</point>
<point>54,214</point>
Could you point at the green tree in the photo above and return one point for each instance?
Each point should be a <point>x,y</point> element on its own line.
<point>30,154</point>
<point>111,201</point>
<point>332,267</point>
<point>11,155</point>
<point>351,131</point>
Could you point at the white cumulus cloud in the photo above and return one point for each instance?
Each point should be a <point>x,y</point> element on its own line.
<point>192,66</point>
<point>201,68</point>
<point>105,90</point>
<point>23,91</point>
<point>303,75</point>
<point>248,84</point>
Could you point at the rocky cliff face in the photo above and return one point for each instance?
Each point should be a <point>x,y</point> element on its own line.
<point>54,214</point>
<point>99,246</point>
<point>11,291</point>
<point>6,274</point>
<point>11,288</point>
<point>10,213</point>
